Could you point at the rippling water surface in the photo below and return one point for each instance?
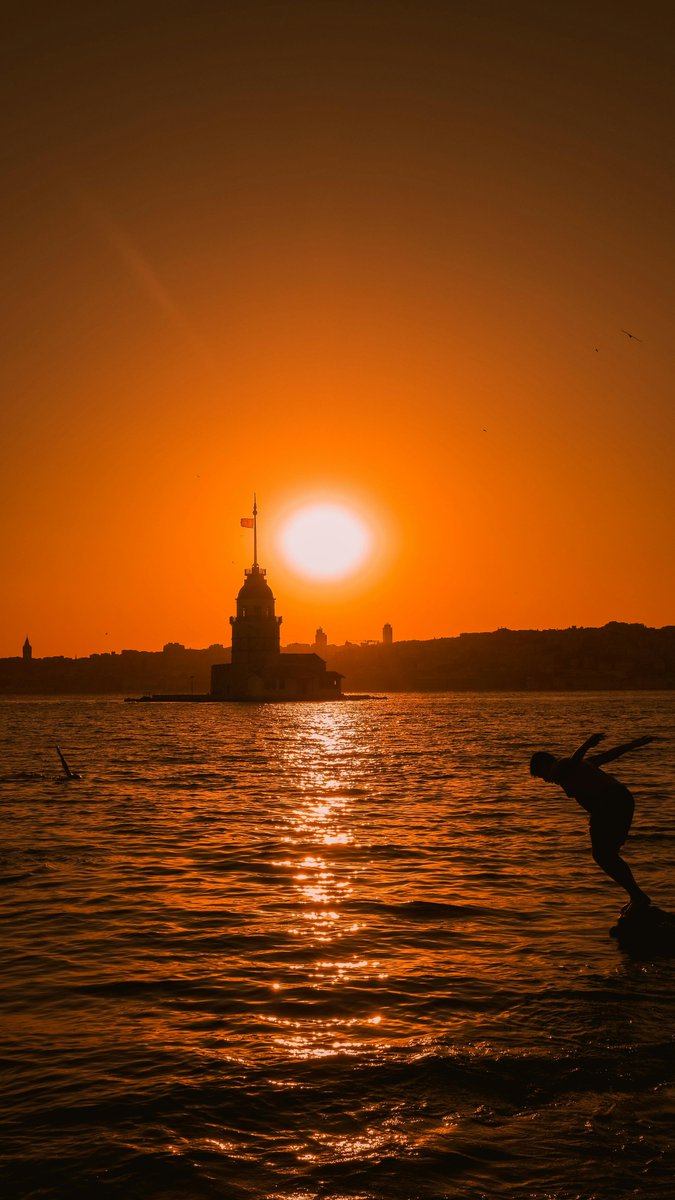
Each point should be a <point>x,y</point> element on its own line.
<point>334,950</point>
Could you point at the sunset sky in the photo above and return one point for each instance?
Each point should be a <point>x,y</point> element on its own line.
<point>373,254</point>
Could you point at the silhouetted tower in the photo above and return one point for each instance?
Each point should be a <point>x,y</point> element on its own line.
<point>27,651</point>
<point>255,629</point>
<point>387,635</point>
<point>320,640</point>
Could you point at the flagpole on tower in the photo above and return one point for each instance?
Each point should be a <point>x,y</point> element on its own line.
<point>255,531</point>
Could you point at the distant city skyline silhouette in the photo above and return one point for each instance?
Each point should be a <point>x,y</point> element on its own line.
<point>616,656</point>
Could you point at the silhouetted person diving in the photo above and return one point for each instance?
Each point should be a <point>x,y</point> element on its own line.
<point>609,803</point>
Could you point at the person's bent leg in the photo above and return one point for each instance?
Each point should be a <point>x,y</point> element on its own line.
<point>611,862</point>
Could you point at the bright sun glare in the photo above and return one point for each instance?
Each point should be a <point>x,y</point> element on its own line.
<point>325,541</point>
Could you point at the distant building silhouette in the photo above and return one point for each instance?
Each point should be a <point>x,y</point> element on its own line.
<point>258,670</point>
<point>27,652</point>
<point>387,635</point>
<point>320,641</point>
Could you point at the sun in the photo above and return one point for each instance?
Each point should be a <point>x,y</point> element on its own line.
<point>325,541</point>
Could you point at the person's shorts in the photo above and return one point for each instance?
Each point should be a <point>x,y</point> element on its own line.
<point>609,828</point>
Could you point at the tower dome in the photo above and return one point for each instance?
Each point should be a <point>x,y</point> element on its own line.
<point>255,590</point>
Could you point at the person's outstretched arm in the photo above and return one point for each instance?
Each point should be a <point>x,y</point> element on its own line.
<point>608,755</point>
<point>588,745</point>
<point>64,764</point>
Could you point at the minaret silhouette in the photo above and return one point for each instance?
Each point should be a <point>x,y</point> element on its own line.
<point>27,651</point>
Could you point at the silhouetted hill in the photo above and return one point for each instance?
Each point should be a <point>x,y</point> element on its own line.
<point>617,656</point>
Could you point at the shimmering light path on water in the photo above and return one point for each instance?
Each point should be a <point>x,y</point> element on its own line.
<point>347,951</point>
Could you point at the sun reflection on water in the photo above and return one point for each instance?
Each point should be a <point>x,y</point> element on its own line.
<point>319,830</point>
<point>316,1037</point>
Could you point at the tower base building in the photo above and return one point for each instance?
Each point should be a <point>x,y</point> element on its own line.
<point>292,677</point>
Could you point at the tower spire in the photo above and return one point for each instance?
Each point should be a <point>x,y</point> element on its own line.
<point>255,532</point>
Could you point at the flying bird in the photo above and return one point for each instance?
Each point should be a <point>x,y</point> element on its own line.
<point>631,335</point>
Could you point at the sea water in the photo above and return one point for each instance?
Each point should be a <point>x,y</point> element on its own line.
<point>345,950</point>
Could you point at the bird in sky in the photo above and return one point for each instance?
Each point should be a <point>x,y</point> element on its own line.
<point>631,335</point>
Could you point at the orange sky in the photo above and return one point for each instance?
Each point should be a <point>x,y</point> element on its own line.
<point>364,251</point>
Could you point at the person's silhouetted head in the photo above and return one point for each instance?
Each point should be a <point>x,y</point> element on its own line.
<point>541,764</point>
